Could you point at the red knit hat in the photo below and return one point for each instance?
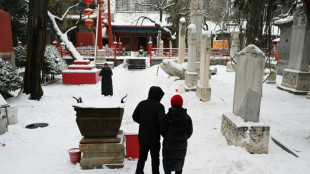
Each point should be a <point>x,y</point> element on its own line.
<point>176,101</point>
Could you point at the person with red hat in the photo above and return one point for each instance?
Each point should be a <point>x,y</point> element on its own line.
<point>176,128</point>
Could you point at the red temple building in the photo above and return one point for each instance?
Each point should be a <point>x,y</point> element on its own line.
<point>6,42</point>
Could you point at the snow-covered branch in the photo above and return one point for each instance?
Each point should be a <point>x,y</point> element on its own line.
<point>70,29</point>
<point>65,14</point>
<point>64,38</point>
<point>159,24</point>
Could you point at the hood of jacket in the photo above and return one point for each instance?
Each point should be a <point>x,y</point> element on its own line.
<point>177,113</point>
<point>155,93</point>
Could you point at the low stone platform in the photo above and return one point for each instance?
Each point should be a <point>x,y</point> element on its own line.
<point>82,72</point>
<point>99,152</point>
<point>296,82</point>
<point>252,136</point>
<point>203,93</point>
<point>136,63</point>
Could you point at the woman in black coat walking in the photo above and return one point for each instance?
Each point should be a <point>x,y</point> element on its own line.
<point>176,128</point>
<point>106,81</point>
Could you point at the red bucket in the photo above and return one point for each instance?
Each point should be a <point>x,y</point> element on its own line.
<point>132,146</point>
<point>75,155</point>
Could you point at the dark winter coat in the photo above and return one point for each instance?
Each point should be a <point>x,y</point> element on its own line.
<point>147,114</point>
<point>106,81</point>
<point>176,129</point>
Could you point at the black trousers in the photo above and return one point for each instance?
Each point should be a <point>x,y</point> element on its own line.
<point>144,149</point>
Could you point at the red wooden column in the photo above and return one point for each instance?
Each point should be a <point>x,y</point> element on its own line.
<point>109,25</point>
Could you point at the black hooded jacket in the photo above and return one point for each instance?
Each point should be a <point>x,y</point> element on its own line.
<point>147,114</point>
<point>177,130</point>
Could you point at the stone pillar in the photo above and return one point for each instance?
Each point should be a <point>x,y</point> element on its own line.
<point>191,76</point>
<point>203,90</point>
<point>100,58</point>
<point>181,40</point>
<point>308,95</point>
<point>196,15</point>
<point>231,66</point>
<point>285,43</point>
<point>296,78</point>
<point>245,131</point>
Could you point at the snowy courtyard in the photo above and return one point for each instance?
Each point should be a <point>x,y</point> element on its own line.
<point>45,150</point>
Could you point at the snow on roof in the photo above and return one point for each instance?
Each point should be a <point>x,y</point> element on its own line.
<point>3,103</point>
<point>125,19</point>
<point>276,40</point>
<point>283,20</point>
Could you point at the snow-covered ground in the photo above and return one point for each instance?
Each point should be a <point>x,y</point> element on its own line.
<point>44,150</point>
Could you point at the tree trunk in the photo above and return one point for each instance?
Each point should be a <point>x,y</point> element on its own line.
<point>307,8</point>
<point>254,29</point>
<point>36,48</point>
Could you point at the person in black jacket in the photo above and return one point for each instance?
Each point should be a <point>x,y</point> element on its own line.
<point>106,81</point>
<point>176,128</point>
<point>147,114</point>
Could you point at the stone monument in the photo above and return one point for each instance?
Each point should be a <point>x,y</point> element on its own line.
<point>191,76</point>
<point>296,78</point>
<point>100,58</point>
<point>272,77</point>
<point>203,90</point>
<point>242,127</point>
<point>285,26</point>
<point>196,15</point>
<point>231,66</point>
<point>181,40</point>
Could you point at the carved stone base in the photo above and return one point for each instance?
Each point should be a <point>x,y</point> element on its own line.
<point>191,80</point>
<point>99,152</point>
<point>296,82</point>
<point>231,67</point>
<point>272,77</point>
<point>252,136</point>
<point>203,93</point>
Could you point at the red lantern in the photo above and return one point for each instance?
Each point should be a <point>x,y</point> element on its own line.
<point>88,11</point>
<point>89,22</point>
<point>88,2</point>
<point>102,11</point>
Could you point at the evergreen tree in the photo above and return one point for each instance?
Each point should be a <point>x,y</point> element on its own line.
<point>9,79</point>
<point>18,10</point>
<point>20,53</point>
<point>53,63</point>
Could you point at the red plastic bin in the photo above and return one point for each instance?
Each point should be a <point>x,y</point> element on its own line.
<point>132,146</point>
